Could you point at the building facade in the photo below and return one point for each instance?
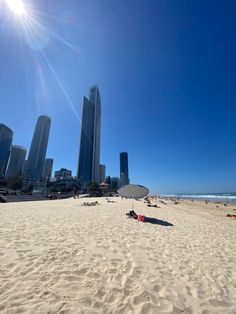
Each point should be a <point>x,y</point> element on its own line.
<point>124,170</point>
<point>63,174</point>
<point>89,152</point>
<point>115,183</point>
<point>6,136</point>
<point>47,169</point>
<point>16,161</point>
<point>102,173</point>
<point>94,97</point>
<point>38,149</point>
<point>24,172</point>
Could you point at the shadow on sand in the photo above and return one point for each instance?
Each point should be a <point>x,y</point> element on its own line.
<point>156,221</point>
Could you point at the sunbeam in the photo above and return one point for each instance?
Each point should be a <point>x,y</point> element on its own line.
<point>37,33</point>
<point>37,25</point>
<point>30,29</point>
<point>52,71</point>
<point>17,6</point>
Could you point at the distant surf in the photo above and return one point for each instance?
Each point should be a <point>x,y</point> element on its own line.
<point>218,197</point>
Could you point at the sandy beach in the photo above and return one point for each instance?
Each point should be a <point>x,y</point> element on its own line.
<point>62,257</point>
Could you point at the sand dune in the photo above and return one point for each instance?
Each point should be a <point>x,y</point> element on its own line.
<point>62,257</point>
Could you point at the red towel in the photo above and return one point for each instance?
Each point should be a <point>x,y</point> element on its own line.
<point>141,218</point>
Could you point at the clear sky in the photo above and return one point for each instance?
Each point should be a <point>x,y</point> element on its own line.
<point>166,71</point>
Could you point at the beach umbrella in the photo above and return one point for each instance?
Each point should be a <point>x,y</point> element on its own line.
<point>133,191</point>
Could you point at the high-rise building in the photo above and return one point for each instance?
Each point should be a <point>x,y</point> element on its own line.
<point>84,172</point>
<point>124,170</point>
<point>16,161</point>
<point>89,154</point>
<point>24,171</point>
<point>6,135</point>
<point>115,183</point>
<point>102,173</point>
<point>38,149</point>
<point>94,97</point>
<point>47,169</point>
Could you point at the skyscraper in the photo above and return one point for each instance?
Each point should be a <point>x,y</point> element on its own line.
<point>94,97</point>
<point>6,135</point>
<point>47,169</point>
<point>38,149</point>
<point>124,170</point>
<point>89,153</point>
<point>16,161</point>
<point>102,173</point>
<point>24,172</point>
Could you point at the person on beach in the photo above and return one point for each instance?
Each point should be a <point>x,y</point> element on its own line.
<point>151,220</point>
<point>132,214</point>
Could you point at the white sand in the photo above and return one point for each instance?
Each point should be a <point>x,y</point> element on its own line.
<point>61,257</point>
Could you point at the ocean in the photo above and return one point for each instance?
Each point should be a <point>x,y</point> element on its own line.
<point>215,197</point>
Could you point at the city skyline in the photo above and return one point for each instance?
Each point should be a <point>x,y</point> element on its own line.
<point>167,85</point>
<point>18,165</point>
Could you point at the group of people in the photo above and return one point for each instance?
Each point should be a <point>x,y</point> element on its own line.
<point>91,203</point>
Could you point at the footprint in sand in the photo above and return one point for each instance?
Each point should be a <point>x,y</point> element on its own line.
<point>141,298</point>
<point>83,271</point>
<point>121,279</point>
<point>99,293</point>
<point>93,275</point>
<point>84,299</point>
<point>156,288</point>
<point>149,308</point>
<point>116,262</point>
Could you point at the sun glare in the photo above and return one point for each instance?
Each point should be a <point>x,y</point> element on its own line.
<point>17,6</point>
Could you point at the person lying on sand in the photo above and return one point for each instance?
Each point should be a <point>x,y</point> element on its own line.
<point>163,202</point>
<point>132,214</point>
<point>151,220</point>
<point>231,215</point>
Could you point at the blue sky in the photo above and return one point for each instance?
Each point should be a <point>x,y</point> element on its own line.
<point>166,71</point>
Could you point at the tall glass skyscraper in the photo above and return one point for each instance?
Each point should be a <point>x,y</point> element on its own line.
<point>47,169</point>
<point>89,153</point>
<point>16,161</point>
<point>6,135</point>
<point>102,173</point>
<point>124,170</point>
<point>94,97</point>
<point>38,149</point>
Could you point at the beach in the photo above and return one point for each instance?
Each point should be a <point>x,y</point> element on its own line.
<point>59,256</point>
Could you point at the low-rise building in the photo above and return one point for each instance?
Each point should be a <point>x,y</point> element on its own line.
<point>63,174</point>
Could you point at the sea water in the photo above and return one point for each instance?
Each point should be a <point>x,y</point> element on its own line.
<point>214,197</point>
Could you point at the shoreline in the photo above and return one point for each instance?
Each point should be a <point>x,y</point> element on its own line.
<point>217,199</point>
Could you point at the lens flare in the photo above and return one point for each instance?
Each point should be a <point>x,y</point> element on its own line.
<point>37,32</point>
<point>17,6</point>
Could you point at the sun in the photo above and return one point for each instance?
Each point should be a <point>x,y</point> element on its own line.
<point>17,6</point>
